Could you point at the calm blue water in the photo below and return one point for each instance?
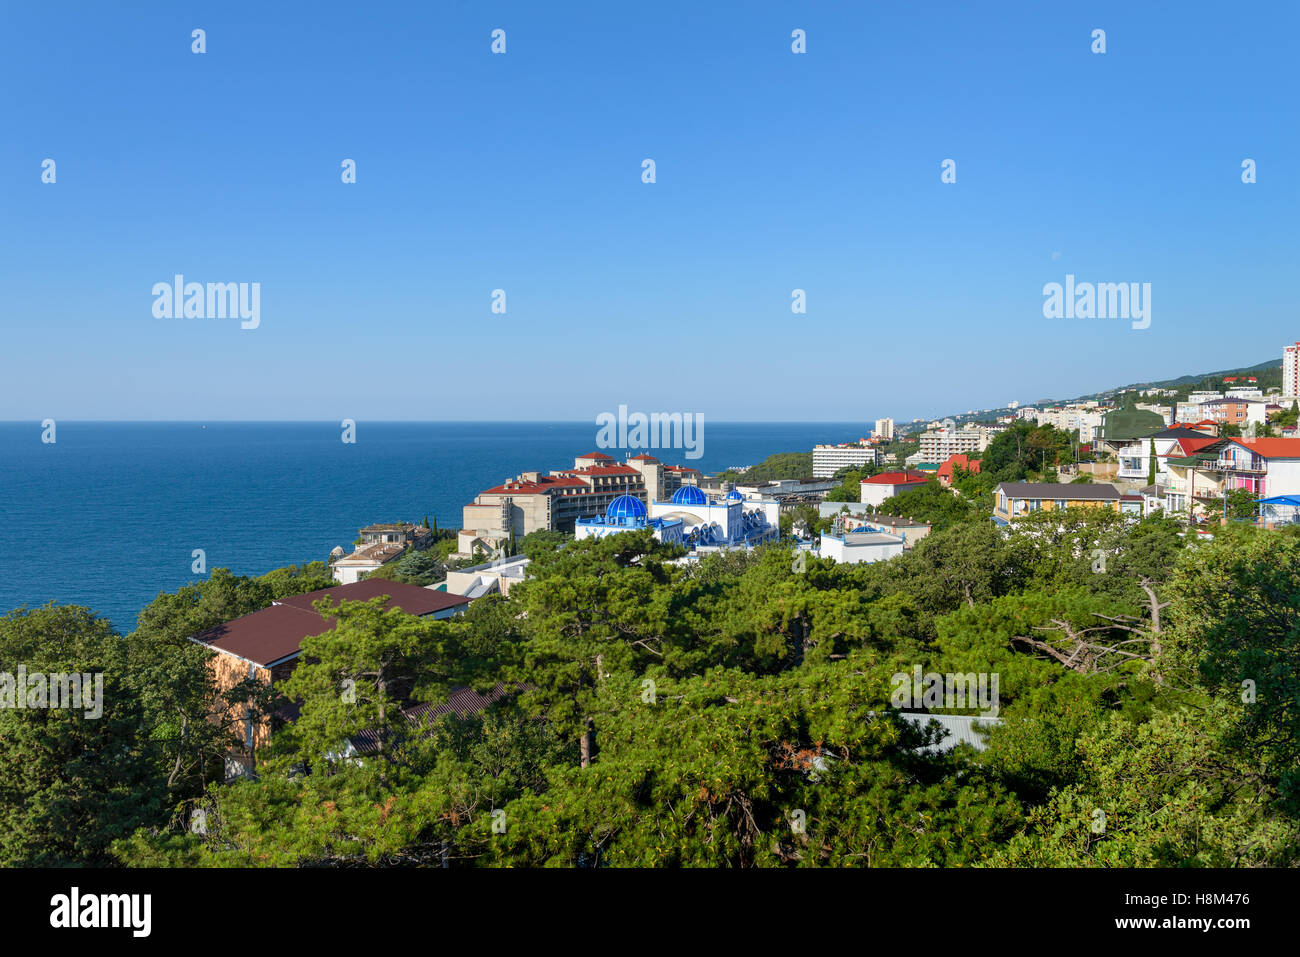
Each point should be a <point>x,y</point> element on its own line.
<point>109,515</point>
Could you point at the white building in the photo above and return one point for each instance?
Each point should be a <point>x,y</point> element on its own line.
<point>939,445</point>
<point>627,513</point>
<point>377,546</point>
<point>480,580</point>
<point>888,484</point>
<point>691,518</point>
<point>829,459</point>
<point>1291,370</point>
<point>884,430</point>
<point>1165,412</point>
<point>855,547</point>
<point>1084,419</point>
<point>1135,458</point>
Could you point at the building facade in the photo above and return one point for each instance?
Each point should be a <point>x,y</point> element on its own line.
<point>938,445</point>
<point>888,484</point>
<point>852,548</point>
<point>829,459</point>
<point>533,501</point>
<point>1013,500</point>
<point>1291,370</point>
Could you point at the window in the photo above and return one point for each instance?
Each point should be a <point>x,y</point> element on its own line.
<point>1060,505</point>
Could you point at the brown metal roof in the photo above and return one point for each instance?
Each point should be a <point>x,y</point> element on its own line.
<point>276,633</point>
<point>412,599</point>
<point>462,701</point>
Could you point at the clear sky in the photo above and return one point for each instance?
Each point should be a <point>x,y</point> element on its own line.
<point>522,172</point>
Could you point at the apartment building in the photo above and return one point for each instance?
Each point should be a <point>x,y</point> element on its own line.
<point>884,430</point>
<point>1291,370</point>
<point>938,445</point>
<point>1084,419</point>
<point>1233,410</point>
<point>829,459</point>
<point>533,501</point>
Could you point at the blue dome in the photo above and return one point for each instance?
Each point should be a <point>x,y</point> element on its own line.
<point>734,496</point>
<point>624,507</point>
<point>689,495</point>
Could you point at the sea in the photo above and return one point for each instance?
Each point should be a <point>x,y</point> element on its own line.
<point>109,514</point>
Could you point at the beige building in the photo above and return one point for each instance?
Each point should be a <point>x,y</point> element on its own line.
<point>532,501</point>
<point>380,544</point>
<point>939,445</point>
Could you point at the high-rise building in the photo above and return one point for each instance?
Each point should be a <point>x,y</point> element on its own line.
<point>829,459</point>
<point>885,428</point>
<point>1291,370</point>
<point>938,445</point>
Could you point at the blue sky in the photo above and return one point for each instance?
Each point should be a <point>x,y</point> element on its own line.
<point>522,172</point>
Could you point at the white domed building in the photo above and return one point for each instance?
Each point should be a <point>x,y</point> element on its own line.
<point>627,513</point>
<point>725,522</point>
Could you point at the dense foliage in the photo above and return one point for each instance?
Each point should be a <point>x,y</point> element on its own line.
<point>781,465</point>
<point>731,712</point>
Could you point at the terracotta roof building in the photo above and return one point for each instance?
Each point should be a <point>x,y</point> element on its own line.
<point>265,645</point>
<point>888,484</point>
<point>535,501</point>
<point>960,461</point>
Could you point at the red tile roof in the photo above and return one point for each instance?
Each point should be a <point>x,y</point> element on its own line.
<point>543,484</point>
<point>960,460</point>
<point>596,455</point>
<point>276,633</point>
<point>1191,445</point>
<point>604,470</point>
<point>1272,448</point>
<point>897,478</point>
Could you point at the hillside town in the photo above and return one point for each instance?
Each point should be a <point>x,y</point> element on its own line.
<point>1206,458</point>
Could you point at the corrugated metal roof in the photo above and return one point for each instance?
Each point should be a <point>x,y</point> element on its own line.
<point>960,728</point>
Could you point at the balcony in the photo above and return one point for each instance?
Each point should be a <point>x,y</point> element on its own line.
<point>1256,466</point>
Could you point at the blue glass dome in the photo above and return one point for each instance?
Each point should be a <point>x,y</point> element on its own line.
<point>689,495</point>
<point>734,496</point>
<point>625,507</point>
